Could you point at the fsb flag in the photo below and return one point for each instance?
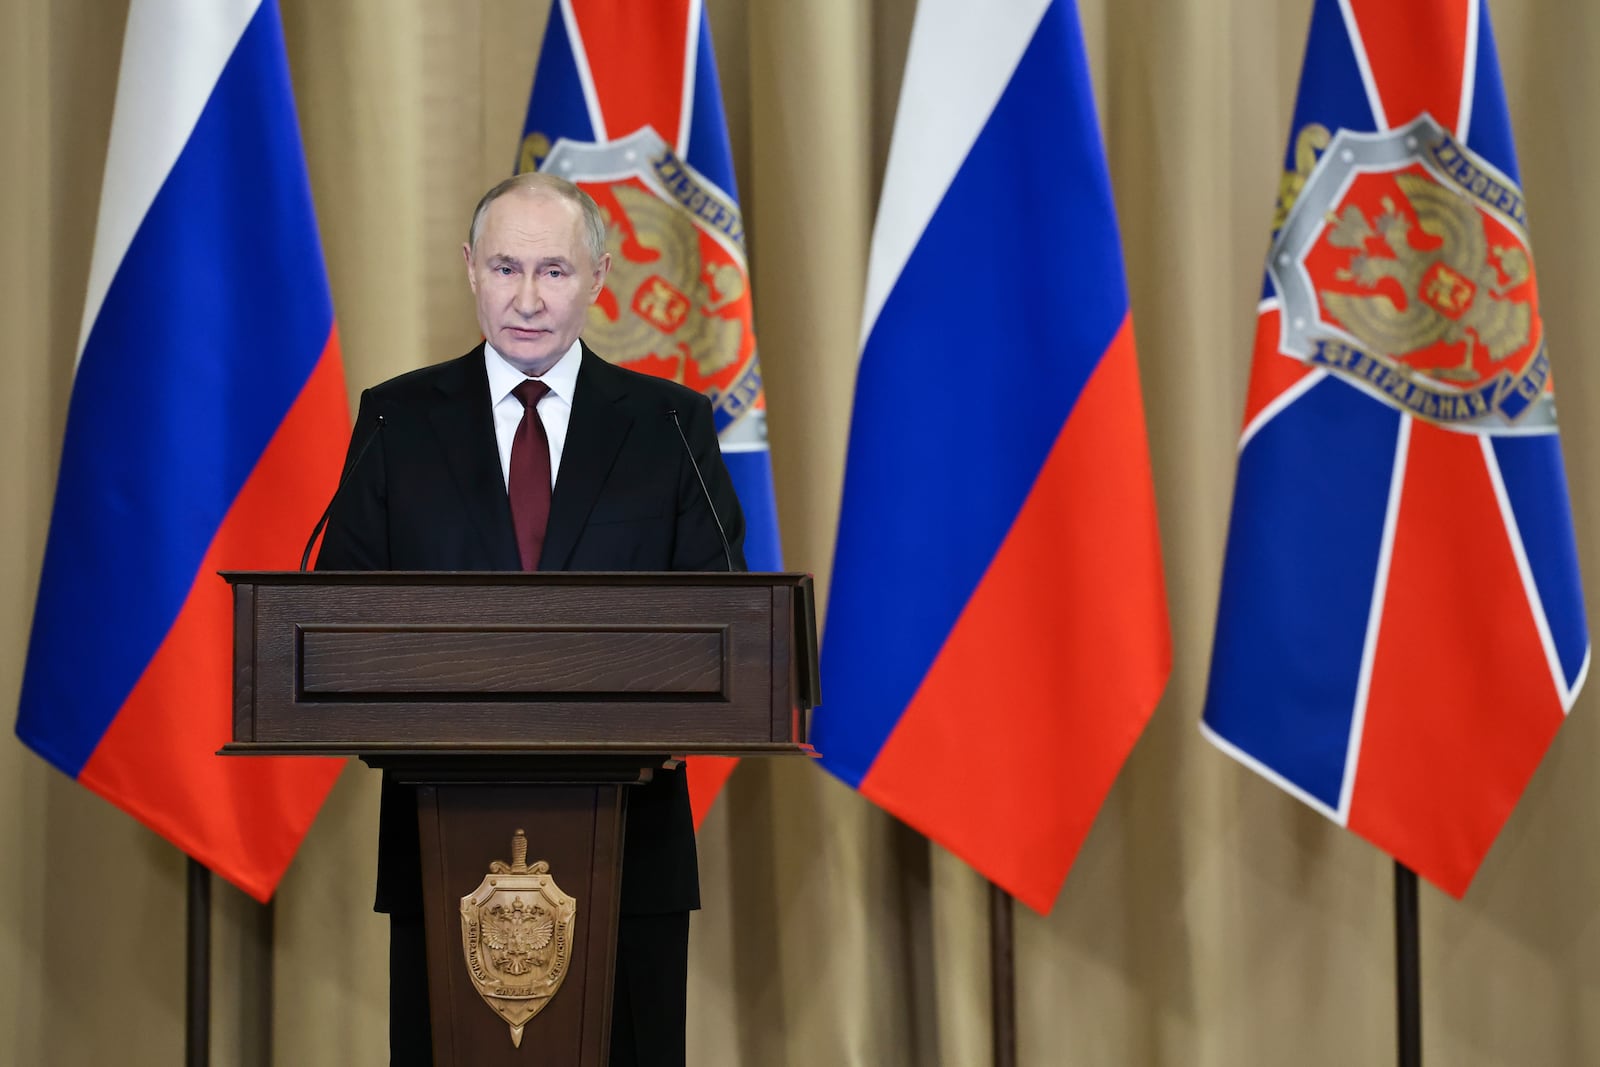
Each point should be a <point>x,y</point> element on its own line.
<point>205,430</point>
<point>996,633</point>
<point>627,105</point>
<point>1401,627</point>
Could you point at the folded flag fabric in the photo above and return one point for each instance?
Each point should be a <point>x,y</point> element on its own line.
<point>996,632</point>
<point>1401,627</point>
<point>206,426</point>
<point>626,103</point>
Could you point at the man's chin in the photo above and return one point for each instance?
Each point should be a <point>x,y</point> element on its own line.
<point>529,355</point>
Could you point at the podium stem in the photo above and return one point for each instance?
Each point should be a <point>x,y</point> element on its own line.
<point>1002,978</point>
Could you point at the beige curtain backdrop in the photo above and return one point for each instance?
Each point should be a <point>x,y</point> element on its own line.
<point>1209,920</point>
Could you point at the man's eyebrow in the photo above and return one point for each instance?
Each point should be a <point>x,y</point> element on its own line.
<point>555,261</point>
<point>500,257</point>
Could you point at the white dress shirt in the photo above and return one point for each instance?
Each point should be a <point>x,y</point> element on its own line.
<point>554,409</point>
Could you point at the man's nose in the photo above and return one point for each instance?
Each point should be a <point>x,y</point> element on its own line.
<point>528,299</point>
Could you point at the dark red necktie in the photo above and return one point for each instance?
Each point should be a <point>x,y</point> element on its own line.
<point>529,484</point>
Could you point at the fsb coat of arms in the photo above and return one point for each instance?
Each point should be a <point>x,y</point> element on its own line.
<point>516,933</point>
<point>677,302</point>
<point>1403,266</point>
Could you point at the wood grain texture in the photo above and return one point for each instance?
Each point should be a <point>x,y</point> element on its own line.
<point>678,663</point>
<point>528,663</point>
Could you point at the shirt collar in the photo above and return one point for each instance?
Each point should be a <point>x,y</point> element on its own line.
<point>561,378</point>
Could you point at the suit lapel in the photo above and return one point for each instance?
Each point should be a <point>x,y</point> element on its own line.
<point>465,426</point>
<point>594,436</point>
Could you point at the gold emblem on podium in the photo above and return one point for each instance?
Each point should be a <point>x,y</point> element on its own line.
<point>516,934</point>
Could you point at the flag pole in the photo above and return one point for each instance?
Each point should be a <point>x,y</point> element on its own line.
<point>1408,966</point>
<point>265,937</point>
<point>197,1000</point>
<point>1002,978</point>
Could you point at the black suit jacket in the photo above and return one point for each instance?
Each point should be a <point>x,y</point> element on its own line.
<point>428,494</point>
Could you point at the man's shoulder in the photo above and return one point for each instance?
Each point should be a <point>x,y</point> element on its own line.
<point>428,381</point>
<point>644,388</point>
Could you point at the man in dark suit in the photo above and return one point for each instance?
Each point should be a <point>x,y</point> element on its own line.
<point>466,466</point>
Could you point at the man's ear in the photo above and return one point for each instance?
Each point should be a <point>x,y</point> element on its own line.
<point>466,254</point>
<point>601,270</point>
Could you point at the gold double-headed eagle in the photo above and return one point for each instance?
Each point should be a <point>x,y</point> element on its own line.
<point>1453,293</point>
<point>667,303</point>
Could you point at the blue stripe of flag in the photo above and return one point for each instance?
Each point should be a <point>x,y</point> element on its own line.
<point>1536,486</point>
<point>1297,591</point>
<point>556,106</point>
<point>707,149</point>
<point>752,481</point>
<point>1332,92</point>
<point>1531,467</point>
<point>1489,132</point>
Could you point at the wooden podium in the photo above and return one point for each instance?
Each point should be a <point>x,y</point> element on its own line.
<point>522,706</point>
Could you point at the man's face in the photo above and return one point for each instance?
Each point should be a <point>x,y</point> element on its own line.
<point>533,277</point>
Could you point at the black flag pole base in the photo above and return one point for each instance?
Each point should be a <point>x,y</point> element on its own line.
<point>1408,966</point>
<point>265,936</point>
<point>197,1000</point>
<point>1002,978</point>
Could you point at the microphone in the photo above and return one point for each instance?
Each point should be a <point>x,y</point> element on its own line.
<point>727,553</point>
<point>305,557</point>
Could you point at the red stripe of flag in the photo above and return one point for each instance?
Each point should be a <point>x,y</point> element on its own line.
<point>1417,51</point>
<point>636,59</point>
<point>1462,702</point>
<point>707,776</point>
<point>1272,373</point>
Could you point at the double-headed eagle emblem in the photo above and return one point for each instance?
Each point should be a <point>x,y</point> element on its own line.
<point>516,935</point>
<point>1401,265</point>
<point>1453,294</point>
<point>664,299</point>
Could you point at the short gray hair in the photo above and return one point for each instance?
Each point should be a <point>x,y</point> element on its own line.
<point>594,223</point>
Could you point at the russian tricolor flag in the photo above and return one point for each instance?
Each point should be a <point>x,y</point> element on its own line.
<point>206,426</point>
<point>626,94</point>
<point>1401,628</point>
<point>996,633</point>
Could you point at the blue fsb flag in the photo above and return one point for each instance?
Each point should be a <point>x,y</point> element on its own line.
<point>626,104</point>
